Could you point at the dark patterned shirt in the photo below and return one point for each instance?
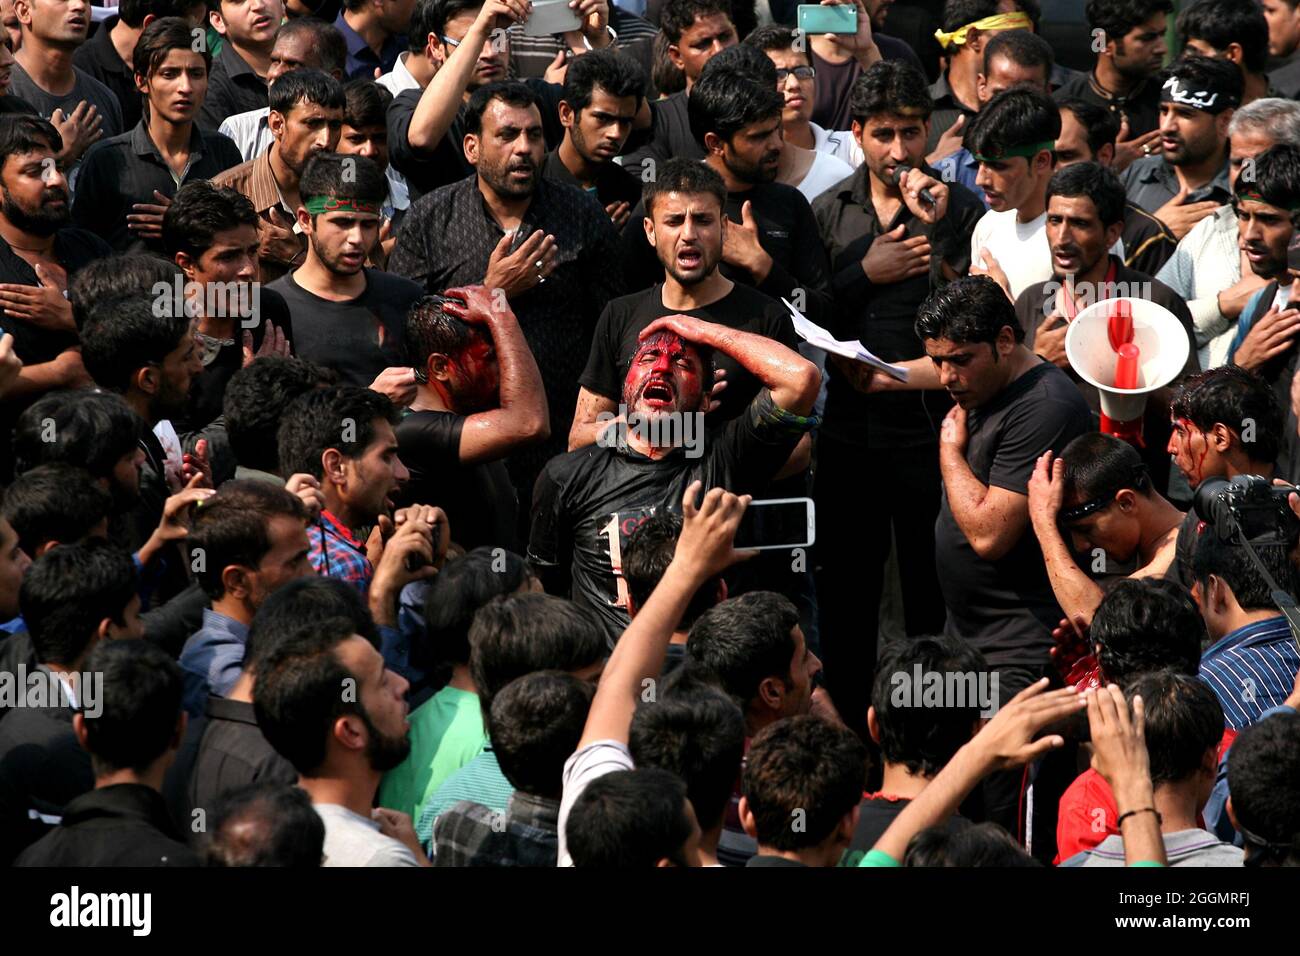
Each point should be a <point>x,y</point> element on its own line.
<point>527,834</point>
<point>447,239</point>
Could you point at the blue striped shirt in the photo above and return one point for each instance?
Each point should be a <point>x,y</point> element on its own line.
<point>1252,670</point>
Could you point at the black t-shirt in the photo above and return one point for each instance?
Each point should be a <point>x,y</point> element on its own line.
<point>588,502</point>
<point>613,182</point>
<point>209,388</point>
<point>670,138</point>
<point>1189,532</point>
<point>1006,607</point>
<point>358,338</point>
<point>875,814</point>
<point>615,341</point>
<point>481,504</point>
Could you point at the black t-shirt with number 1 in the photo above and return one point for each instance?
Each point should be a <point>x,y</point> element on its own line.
<point>588,502</point>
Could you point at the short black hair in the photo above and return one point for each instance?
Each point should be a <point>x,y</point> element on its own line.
<point>1208,73</point>
<point>802,764</point>
<point>1096,182</point>
<point>54,502</point>
<point>646,556</point>
<point>266,824</point>
<point>517,634</point>
<point>1221,23</point>
<point>1264,782</point>
<point>1100,125</point>
<point>234,527</point>
<point>305,602</point>
<point>511,92</point>
<point>122,335</point>
<point>255,400</point>
<point>747,60</point>
<point>1014,119</point>
<point>431,330</point>
<point>924,739</point>
<point>161,37</point>
<point>1229,562</point>
<point>968,310</point>
<point>1231,396</point>
<point>141,705</point>
<point>679,15</point>
<point>1147,624</point>
<point>133,12</point>
<point>1098,465</point>
<point>68,590</point>
<point>684,176</point>
<point>91,429</point>
<point>744,640</point>
<point>1022,48</point>
<point>102,282</point>
<point>979,845</point>
<point>199,211</point>
<point>1183,720</point>
<point>327,41</point>
<point>431,16</point>
<point>367,103</point>
<point>776,36</point>
<point>725,100</point>
<point>537,722</point>
<point>1120,17</point>
<point>1275,179</point>
<point>464,585</point>
<point>629,819</point>
<point>695,730</point>
<point>616,73</point>
<point>297,692</point>
<point>22,133</point>
<point>305,86</point>
<point>890,87</point>
<point>315,422</point>
<point>958,13</point>
<point>343,177</point>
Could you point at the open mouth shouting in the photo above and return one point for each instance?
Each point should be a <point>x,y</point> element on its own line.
<point>658,393</point>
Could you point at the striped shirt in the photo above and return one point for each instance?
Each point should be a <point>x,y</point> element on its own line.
<point>1252,670</point>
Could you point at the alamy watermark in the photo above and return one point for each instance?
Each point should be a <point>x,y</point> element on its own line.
<point>961,690</point>
<point>42,689</point>
<point>218,300</point>
<point>661,430</point>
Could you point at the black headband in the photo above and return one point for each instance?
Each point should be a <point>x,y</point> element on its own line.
<point>1207,101</point>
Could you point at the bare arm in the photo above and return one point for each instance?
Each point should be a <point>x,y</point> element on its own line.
<point>704,549</point>
<point>993,519</point>
<point>1077,593</point>
<point>586,428</point>
<point>65,371</point>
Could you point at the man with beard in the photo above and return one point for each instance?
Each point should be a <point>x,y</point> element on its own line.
<point>1266,332</point>
<point>1188,179</point>
<point>1085,215</point>
<point>343,437</point>
<point>602,94</point>
<point>38,252</point>
<point>127,182</point>
<point>685,225</point>
<point>771,241</point>
<point>545,246</point>
<point>479,398</point>
<point>589,501</point>
<point>351,317</point>
<point>341,745</point>
<point>306,118</point>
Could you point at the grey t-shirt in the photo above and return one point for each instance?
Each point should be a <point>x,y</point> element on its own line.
<point>85,88</point>
<point>1184,848</point>
<point>354,840</point>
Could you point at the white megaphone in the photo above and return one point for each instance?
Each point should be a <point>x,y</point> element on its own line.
<point>1100,348</point>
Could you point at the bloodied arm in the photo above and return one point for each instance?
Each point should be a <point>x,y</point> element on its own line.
<point>792,380</point>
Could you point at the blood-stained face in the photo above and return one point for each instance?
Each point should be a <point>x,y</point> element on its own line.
<point>1193,452</point>
<point>475,377</point>
<point>666,375</point>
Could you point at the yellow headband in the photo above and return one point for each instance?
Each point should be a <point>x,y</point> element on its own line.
<point>1000,21</point>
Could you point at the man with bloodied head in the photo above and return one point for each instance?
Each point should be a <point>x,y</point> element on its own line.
<point>589,501</point>
<point>686,225</point>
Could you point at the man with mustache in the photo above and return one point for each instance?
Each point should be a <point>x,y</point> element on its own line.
<point>1188,179</point>
<point>239,73</point>
<point>1265,341</point>
<point>38,253</point>
<point>1085,214</point>
<point>126,183</point>
<point>589,501</point>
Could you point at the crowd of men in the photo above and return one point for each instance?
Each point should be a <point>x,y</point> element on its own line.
<point>389,388</point>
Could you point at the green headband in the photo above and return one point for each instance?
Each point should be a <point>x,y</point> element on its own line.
<point>318,205</point>
<point>1028,151</point>
<point>1251,196</point>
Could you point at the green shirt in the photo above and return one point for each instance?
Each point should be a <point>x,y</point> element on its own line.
<point>446,733</point>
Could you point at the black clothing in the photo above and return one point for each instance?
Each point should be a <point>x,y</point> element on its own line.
<point>613,182</point>
<point>1141,107</point>
<point>126,824</point>
<point>98,57</point>
<point>233,87</point>
<point>670,137</point>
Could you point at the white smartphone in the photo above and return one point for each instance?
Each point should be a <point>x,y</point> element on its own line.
<point>551,17</point>
<point>776,524</point>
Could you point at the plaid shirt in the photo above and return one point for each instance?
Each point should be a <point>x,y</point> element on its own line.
<point>470,834</point>
<point>336,554</point>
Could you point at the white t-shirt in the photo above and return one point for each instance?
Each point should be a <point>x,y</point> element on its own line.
<point>1020,248</point>
<point>839,143</point>
<point>1283,297</point>
<point>354,840</point>
<point>592,761</point>
<point>825,171</point>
